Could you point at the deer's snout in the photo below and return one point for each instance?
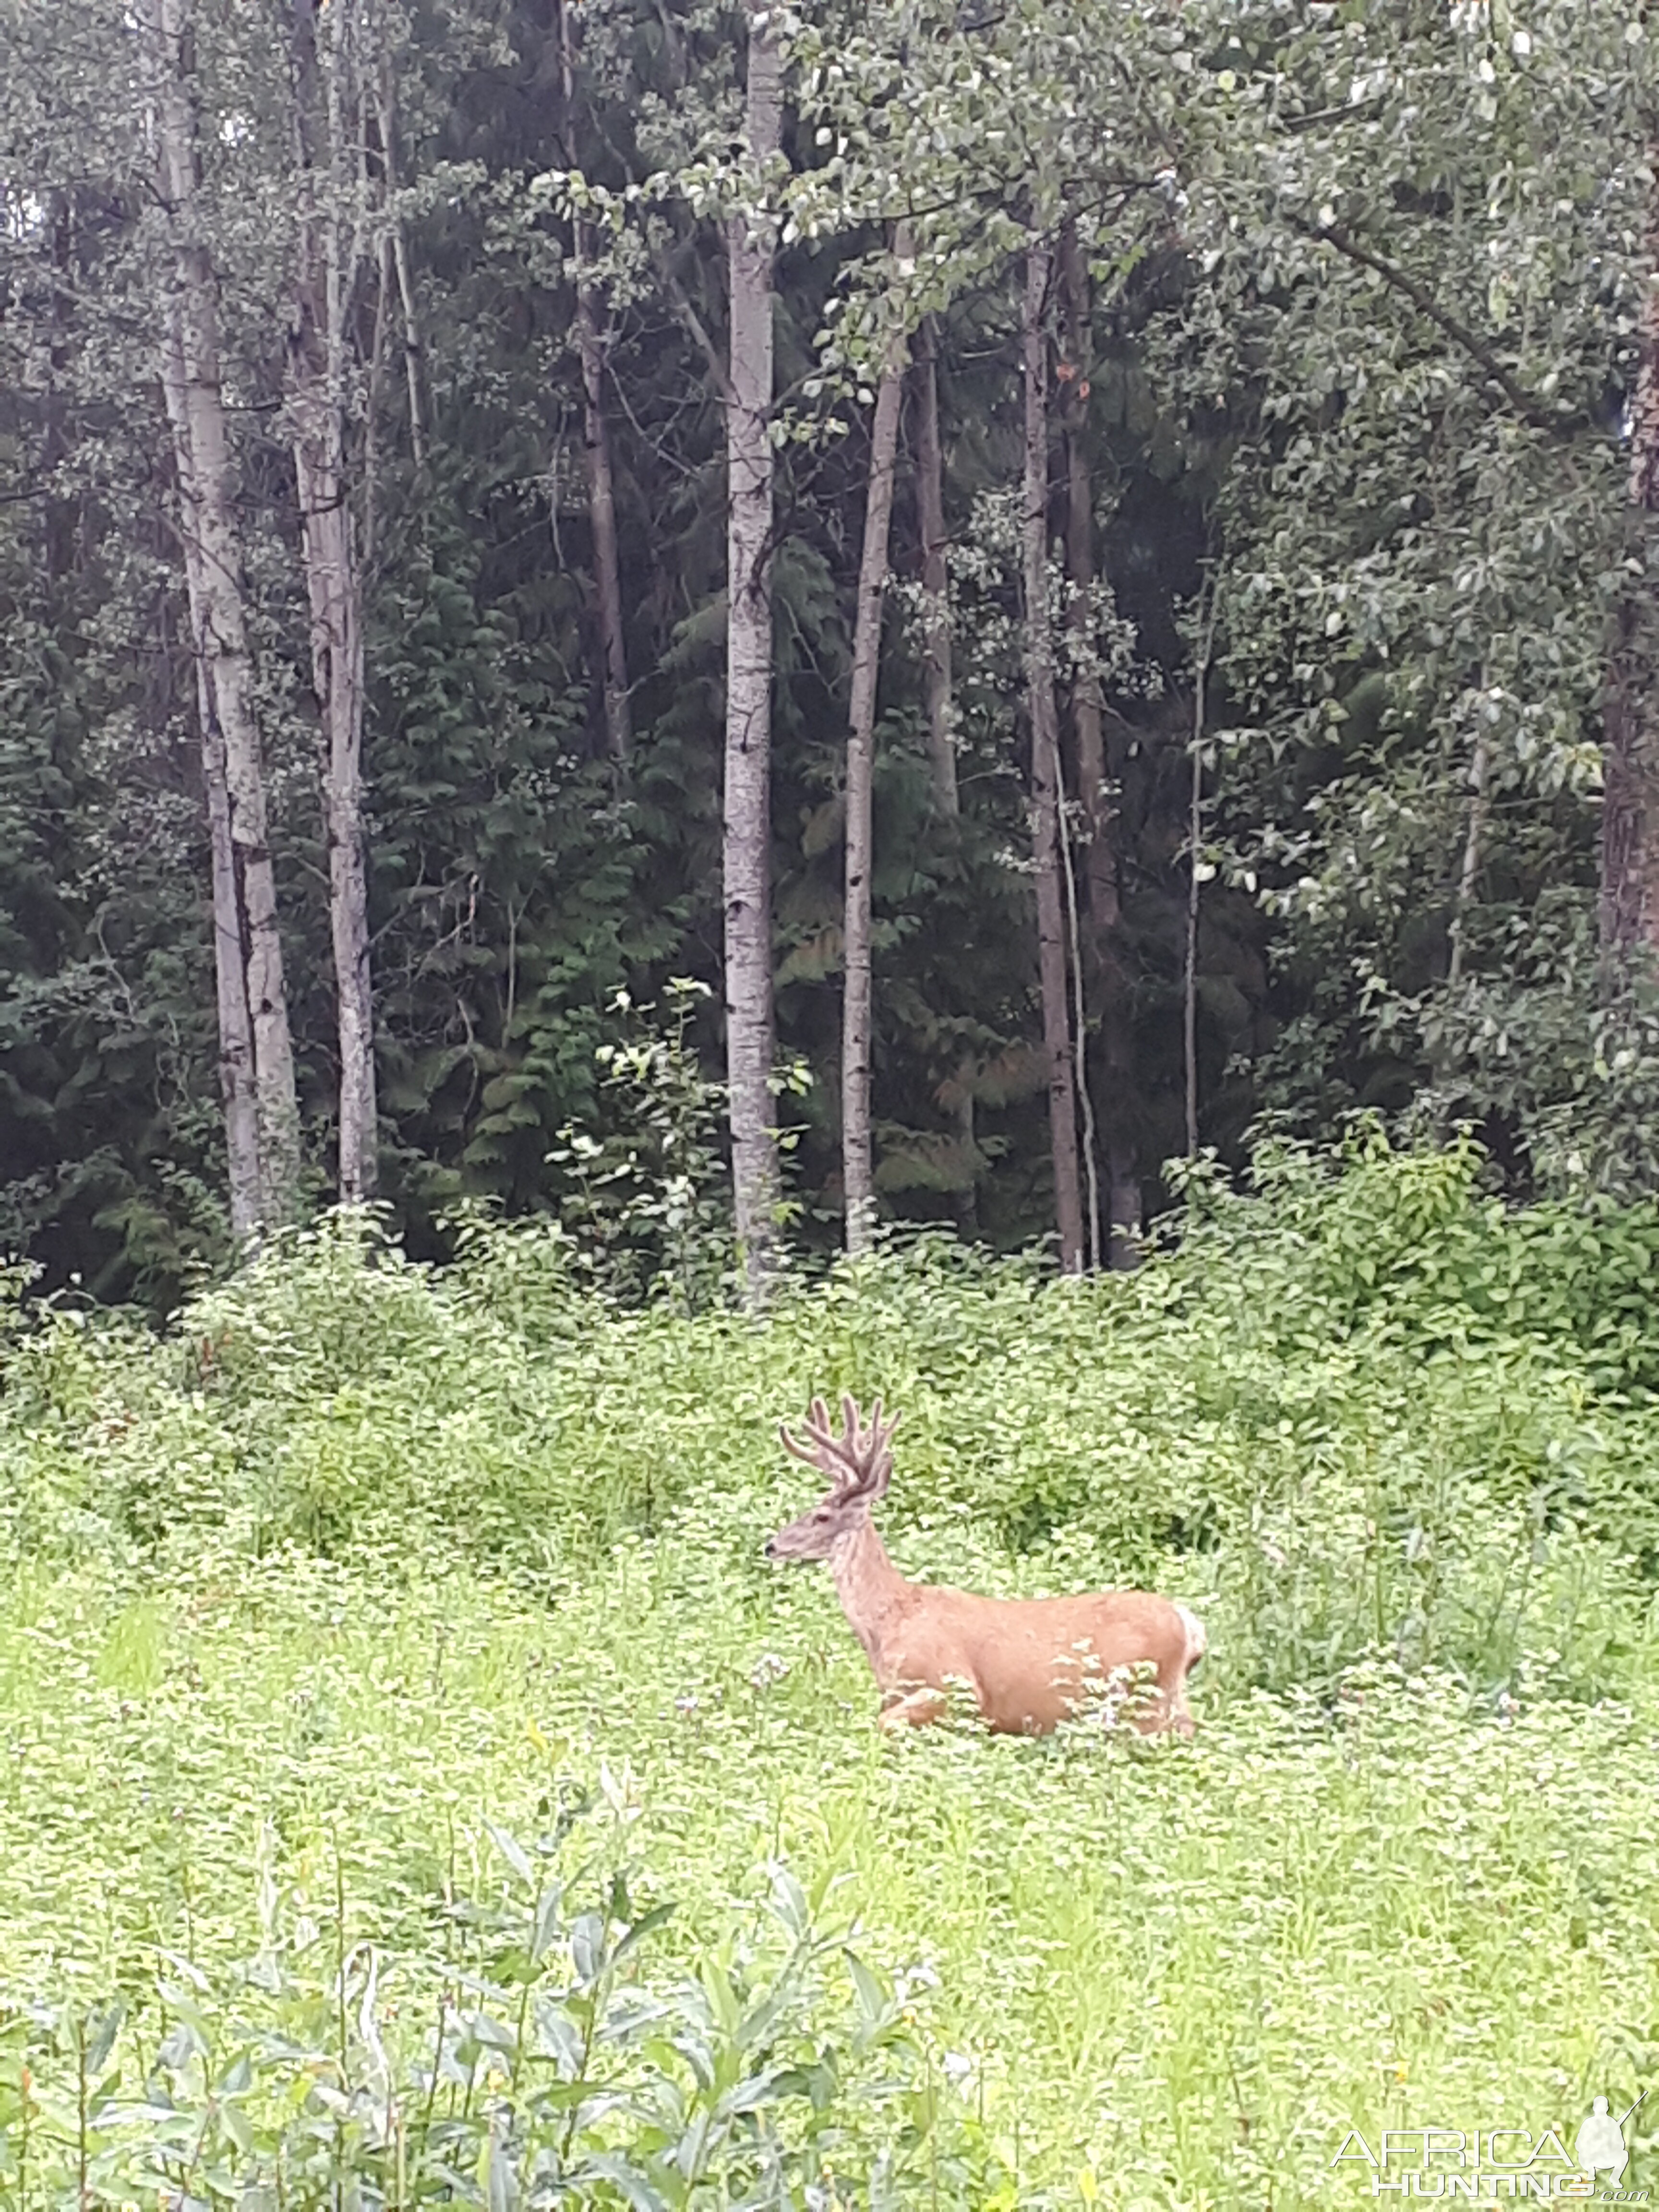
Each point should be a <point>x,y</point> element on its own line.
<point>770,1548</point>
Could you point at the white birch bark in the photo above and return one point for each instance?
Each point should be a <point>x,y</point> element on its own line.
<point>936,615</point>
<point>747,803</point>
<point>236,1084</point>
<point>938,682</point>
<point>190,373</point>
<point>317,407</point>
<point>1045,772</point>
<point>858,1173</point>
<point>395,251</point>
<point>1103,977</point>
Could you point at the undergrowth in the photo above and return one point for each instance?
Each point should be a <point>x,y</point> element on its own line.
<point>369,1606</point>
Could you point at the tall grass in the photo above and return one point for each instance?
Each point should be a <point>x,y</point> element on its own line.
<point>367,1602</point>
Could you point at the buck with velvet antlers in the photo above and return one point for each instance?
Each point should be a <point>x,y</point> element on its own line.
<point>1027,1662</point>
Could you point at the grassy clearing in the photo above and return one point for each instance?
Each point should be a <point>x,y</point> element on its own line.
<point>1183,1967</point>
<point>358,1562</point>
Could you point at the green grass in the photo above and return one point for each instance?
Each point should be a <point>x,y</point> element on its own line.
<point>291,1620</point>
<point>1188,1967</point>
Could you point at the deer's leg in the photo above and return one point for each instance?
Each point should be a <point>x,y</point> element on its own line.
<point>915,1710</point>
<point>1165,1710</point>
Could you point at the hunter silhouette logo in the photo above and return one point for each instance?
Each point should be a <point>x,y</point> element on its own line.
<point>1600,2145</point>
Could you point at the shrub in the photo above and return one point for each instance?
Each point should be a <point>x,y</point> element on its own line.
<point>534,2061</point>
<point>1362,1405</point>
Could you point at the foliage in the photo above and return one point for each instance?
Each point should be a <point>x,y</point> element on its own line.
<point>1420,230</point>
<point>1412,1246</point>
<point>525,2061</point>
<point>1377,647</point>
<point>1367,1401</point>
<point>649,1204</point>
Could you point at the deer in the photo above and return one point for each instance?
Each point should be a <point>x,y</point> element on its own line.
<point>1027,1664</point>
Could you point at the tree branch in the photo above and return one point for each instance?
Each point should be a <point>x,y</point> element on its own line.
<point>680,300</point>
<point>1531,408</point>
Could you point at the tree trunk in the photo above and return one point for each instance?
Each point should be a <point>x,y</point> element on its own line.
<point>61,509</point>
<point>1203,652</point>
<point>190,376</point>
<point>317,411</point>
<point>936,615</point>
<point>1630,805</point>
<point>1189,962</point>
<point>1105,973</point>
<point>747,809</point>
<point>395,250</point>
<point>938,676</point>
<point>591,349</point>
<point>602,512</point>
<point>1045,773</point>
<point>236,1084</point>
<point>856,1149</point>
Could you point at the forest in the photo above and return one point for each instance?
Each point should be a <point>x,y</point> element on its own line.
<point>1079,575</point>
<point>706,704</point>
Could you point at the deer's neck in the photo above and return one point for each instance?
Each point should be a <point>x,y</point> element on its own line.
<point>874,1595</point>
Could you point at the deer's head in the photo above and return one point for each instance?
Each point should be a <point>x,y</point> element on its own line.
<point>856,1466</point>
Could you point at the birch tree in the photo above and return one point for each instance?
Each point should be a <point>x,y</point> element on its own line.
<point>938,684</point>
<point>327,122</point>
<point>749,1036</point>
<point>935,581</point>
<point>1044,719</point>
<point>248,950</point>
<point>236,1066</point>
<point>1104,975</point>
<point>857,1162</point>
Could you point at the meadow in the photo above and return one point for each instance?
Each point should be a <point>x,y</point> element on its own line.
<point>418,1787</point>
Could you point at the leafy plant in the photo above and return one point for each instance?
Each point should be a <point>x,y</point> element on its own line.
<point>529,2063</point>
<point>649,1200</point>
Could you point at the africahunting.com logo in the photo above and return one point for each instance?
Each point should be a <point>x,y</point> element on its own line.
<point>1492,2162</point>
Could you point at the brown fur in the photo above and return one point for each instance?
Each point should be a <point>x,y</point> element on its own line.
<point>1026,1662</point>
